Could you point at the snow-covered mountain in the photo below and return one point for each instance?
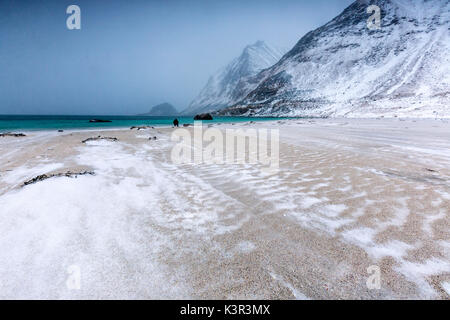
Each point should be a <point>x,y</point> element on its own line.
<point>231,83</point>
<point>345,69</point>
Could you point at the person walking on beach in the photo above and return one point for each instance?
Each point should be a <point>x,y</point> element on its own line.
<point>175,123</point>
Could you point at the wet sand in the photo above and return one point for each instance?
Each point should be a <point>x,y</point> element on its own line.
<point>349,194</point>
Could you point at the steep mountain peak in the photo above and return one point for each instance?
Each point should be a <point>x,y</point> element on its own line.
<point>258,45</point>
<point>259,56</point>
<point>229,84</point>
<point>256,48</point>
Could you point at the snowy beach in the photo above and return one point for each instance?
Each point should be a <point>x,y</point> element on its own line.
<point>349,194</point>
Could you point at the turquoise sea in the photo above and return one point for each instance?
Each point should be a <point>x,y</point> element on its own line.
<point>30,122</point>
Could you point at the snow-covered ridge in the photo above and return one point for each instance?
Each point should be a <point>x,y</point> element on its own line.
<point>345,69</point>
<point>230,84</point>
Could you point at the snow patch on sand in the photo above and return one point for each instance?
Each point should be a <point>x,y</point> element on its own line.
<point>417,272</point>
<point>297,294</point>
<point>446,287</point>
<point>24,173</point>
<point>105,224</point>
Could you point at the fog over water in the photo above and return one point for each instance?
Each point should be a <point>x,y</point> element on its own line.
<point>131,55</point>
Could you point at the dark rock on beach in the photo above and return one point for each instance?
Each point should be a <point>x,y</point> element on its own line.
<point>203,116</point>
<point>100,138</point>
<point>141,127</point>
<point>9,134</point>
<point>68,174</point>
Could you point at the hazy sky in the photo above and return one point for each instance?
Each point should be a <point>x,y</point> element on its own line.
<point>130,55</point>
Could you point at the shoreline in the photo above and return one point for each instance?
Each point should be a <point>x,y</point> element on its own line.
<point>229,122</point>
<point>138,122</point>
<point>112,128</point>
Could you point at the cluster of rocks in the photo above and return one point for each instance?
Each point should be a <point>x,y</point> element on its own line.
<point>142,127</point>
<point>100,138</point>
<point>154,138</point>
<point>9,134</point>
<point>203,116</point>
<point>68,174</point>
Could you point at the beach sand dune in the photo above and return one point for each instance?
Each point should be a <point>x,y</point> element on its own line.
<point>350,194</point>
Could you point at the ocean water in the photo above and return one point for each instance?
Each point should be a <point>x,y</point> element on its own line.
<point>31,123</point>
